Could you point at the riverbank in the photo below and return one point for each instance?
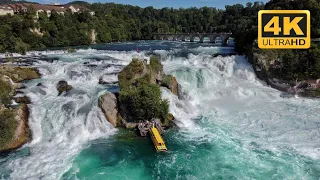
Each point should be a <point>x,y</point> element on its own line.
<point>269,66</point>
<point>14,111</point>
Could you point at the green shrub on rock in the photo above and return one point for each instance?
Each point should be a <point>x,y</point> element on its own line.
<point>155,64</point>
<point>5,92</point>
<point>144,103</point>
<point>133,71</point>
<point>139,97</point>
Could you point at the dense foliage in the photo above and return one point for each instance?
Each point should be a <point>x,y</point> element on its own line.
<point>116,22</point>
<point>292,64</point>
<point>139,98</point>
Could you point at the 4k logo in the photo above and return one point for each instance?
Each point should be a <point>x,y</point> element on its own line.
<point>284,29</point>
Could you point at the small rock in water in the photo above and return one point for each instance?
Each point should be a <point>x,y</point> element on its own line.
<point>63,86</point>
<point>108,104</point>
<point>22,100</point>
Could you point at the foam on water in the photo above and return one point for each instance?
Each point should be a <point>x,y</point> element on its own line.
<point>61,125</point>
<point>227,93</point>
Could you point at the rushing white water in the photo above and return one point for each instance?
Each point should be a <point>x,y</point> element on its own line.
<point>222,101</point>
<point>227,93</point>
<point>61,124</point>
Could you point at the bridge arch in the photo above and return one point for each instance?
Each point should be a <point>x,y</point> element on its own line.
<point>180,38</point>
<point>170,38</point>
<point>222,37</point>
<point>193,37</point>
<point>205,38</point>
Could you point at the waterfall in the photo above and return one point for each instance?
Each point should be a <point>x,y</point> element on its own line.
<point>230,123</point>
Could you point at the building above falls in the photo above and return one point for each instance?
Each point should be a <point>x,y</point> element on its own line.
<point>17,8</point>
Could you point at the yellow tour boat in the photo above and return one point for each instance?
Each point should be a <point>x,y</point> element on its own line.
<point>157,140</point>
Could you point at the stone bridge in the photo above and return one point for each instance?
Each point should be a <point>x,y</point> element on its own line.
<point>223,37</point>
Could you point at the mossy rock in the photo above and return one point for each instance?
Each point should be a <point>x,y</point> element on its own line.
<point>8,125</point>
<point>22,100</point>
<point>155,64</point>
<point>6,91</point>
<point>19,74</point>
<point>171,83</point>
<point>169,121</point>
<point>170,117</point>
<point>14,129</point>
<point>134,70</point>
<point>63,86</point>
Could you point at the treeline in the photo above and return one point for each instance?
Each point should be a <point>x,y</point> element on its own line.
<point>116,22</point>
<point>295,64</point>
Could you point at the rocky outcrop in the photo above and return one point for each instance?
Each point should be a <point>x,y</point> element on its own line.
<point>264,65</point>
<point>36,31</point>
<point>63,86</point>
<point>93,36</point>
<point>22,132</point>
<point>171,83</point>
<point>14,130</point>
<point>19,73</point>
<point>139,98</point>
<point>22,100</point>
<point>18,133</point>
<point>108,105</point>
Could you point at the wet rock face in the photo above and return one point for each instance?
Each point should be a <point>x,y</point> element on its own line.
<point>20,132</point>
<point>63,86</point>
<point>108,104</point>
<point>171,83</point>
<point>23,99</point>
<point>19,73</point>
<point>109,79</point>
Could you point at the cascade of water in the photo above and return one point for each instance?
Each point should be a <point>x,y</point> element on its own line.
<point>222,100</point>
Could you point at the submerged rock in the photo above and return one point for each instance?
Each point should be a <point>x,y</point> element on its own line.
<point>108,104</point>
<point>63,86</point>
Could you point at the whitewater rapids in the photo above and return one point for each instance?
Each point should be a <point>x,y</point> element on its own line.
<point>229,121</point>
